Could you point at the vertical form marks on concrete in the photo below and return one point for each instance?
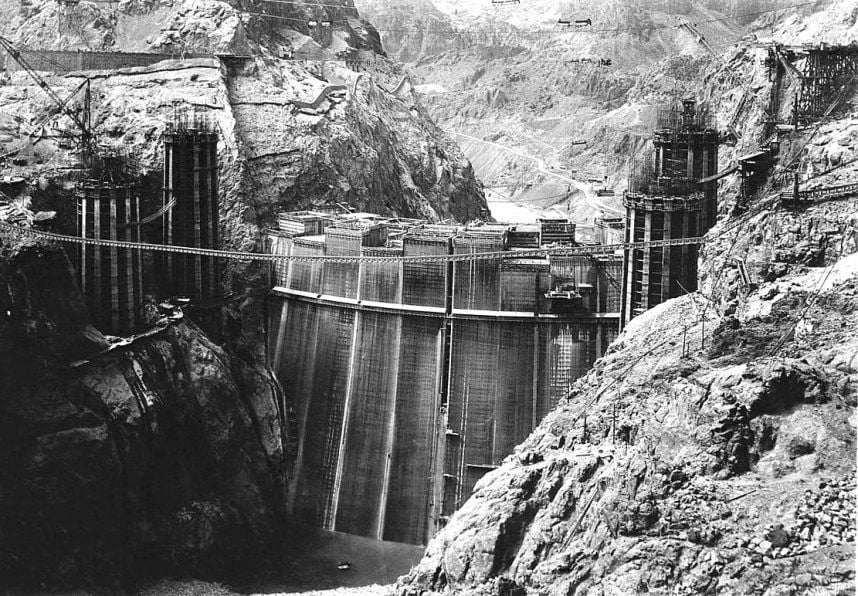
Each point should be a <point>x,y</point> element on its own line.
<point>407,508</point>
<point>396,417</point>
<point>110,277</point>
<point>191,179</point>
<point>324,400</point>
<point>425,284</point>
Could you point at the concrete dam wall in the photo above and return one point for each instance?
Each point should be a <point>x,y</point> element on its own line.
<point>411,380</point>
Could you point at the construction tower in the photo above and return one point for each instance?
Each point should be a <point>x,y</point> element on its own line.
<point>666,201</point>
<point>191,205</point>
<point>110,277</point>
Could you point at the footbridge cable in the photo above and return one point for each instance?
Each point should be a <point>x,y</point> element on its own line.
<point>588,250</point>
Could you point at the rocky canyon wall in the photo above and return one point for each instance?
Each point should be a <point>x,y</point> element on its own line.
<point>162,454</point>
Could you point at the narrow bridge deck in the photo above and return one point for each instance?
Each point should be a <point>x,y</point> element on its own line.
<point>820,194</point>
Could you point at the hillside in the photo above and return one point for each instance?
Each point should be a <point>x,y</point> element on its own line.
<point>423,175</point>
<point>511,82</point>
<point>712,450</point>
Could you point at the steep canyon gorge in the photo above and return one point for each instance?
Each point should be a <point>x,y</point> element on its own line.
<point>710,450</point>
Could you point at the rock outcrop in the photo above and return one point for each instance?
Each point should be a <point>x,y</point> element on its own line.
<point>558,97</point>
<point>676,469</point>
<point>294,156</point>
<point>156,456</point>
<point>712,449</point>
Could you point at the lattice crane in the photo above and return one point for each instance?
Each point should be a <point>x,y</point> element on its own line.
<point>83,121</point>
<point>747,94</point>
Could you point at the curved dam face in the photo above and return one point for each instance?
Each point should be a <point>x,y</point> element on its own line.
<point>410,380</point>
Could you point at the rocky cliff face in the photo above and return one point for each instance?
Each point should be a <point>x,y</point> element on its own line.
<point>412,30</point>
<point>162,454</point>
<point>706,453</point>
<point>514,77</point>
<point>277,117</point>
<point>712,449</point>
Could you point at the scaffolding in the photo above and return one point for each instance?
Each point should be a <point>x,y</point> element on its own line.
<point>671,195</point>
<point>820,70</point>
<point>191,188</point>
<point>826,70</point>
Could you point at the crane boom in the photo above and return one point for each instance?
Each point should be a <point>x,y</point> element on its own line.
<point>84,124</point>
<point>84,86</point>
<point>747,93</point>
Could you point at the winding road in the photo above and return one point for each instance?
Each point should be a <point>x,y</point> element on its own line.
<point>586,189</point>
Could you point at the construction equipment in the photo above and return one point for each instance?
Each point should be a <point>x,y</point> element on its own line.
<point>596,61</point>
<point>611,279</point>
<point>747,94</point>
<point>791,70</point>
<point>83,121</point>
<point>575,23</point>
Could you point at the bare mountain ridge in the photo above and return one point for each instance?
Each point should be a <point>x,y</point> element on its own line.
<point>513,77</point>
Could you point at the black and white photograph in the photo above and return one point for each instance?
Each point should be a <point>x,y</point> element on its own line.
<point>428,297</point>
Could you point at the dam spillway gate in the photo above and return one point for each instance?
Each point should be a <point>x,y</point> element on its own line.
<point>411,380</point>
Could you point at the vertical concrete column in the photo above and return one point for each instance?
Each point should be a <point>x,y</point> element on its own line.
<point>303,407</point>
<point>137,256</point>
<point>497,456</point>
<point>114,281</point>
<point>287,281</point>
<point>439,440</point>
<point>666,255</point>
<point>391,425</point>
<point>684,269</point>
<point>213,216</point>
<point>331,518</point>
<point>96,250</point>
<point>689,166</point>
<point>130,261</point>
<point>199,291</point>
<point>628,269</point>
<point>659,159</point>
<point>394,384</point>
<point>400,282</point>
<point>534,417</point>
<point>168,196</point>
<point>647,255</point>
<point>82,232</point>
<point>281,335</point>
<point>710,202</point>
